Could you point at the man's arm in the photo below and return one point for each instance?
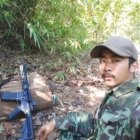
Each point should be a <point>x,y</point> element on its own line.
<point>79,123</point>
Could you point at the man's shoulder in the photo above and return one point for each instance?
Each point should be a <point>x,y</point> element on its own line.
<point>130,86</point>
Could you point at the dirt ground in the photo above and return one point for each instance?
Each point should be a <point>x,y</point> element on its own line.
<point>82,90</point>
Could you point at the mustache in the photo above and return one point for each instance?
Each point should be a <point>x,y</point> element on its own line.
<point>107,75</point>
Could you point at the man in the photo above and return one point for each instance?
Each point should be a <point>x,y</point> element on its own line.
<point>118,117</point>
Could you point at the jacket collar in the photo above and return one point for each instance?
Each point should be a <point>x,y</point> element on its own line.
<point>126,88</point>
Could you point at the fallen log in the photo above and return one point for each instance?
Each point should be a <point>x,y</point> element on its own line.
<point>40,92</point>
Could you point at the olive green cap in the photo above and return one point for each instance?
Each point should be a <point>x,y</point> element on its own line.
<point>119,45</point>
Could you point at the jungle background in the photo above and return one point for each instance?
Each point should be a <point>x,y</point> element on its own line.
<point>55,37</point>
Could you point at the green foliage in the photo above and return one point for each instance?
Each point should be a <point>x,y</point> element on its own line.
<point>67,27</point>
<point>60,76</point>
<point>72,69</point>
<point>16,16</point>
<point>60,25</point>
<point>71,26</point>
<point>34,33</point>
<point>132,25</point>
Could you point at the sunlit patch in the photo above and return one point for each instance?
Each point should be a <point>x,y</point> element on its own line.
<point>136,1</point>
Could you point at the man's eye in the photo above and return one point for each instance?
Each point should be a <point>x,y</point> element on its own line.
<point>116,60</point>
<point>102,61</point>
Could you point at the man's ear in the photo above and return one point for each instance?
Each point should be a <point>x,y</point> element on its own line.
<point>134,66</point>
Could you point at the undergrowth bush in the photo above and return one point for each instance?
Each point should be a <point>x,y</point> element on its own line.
<point>66,27</point>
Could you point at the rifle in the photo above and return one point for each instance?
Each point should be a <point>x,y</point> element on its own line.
<point>26,105</point>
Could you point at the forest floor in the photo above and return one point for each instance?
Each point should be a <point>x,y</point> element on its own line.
<point>79,86</point>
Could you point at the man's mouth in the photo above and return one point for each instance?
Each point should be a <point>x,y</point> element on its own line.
<point>107,77</point>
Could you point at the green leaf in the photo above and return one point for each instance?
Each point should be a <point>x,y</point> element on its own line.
<point>60,76</point>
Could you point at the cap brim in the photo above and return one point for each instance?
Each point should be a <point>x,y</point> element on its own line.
<point>96,51</point>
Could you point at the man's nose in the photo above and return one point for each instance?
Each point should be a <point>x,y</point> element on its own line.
<point>108,66</point>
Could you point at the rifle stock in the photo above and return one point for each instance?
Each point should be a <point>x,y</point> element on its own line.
<point>27,129</point>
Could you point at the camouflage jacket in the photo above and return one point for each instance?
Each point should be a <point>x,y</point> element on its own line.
<point>118,118</point>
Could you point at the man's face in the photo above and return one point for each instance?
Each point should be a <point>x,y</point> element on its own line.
<point>114,69</point>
